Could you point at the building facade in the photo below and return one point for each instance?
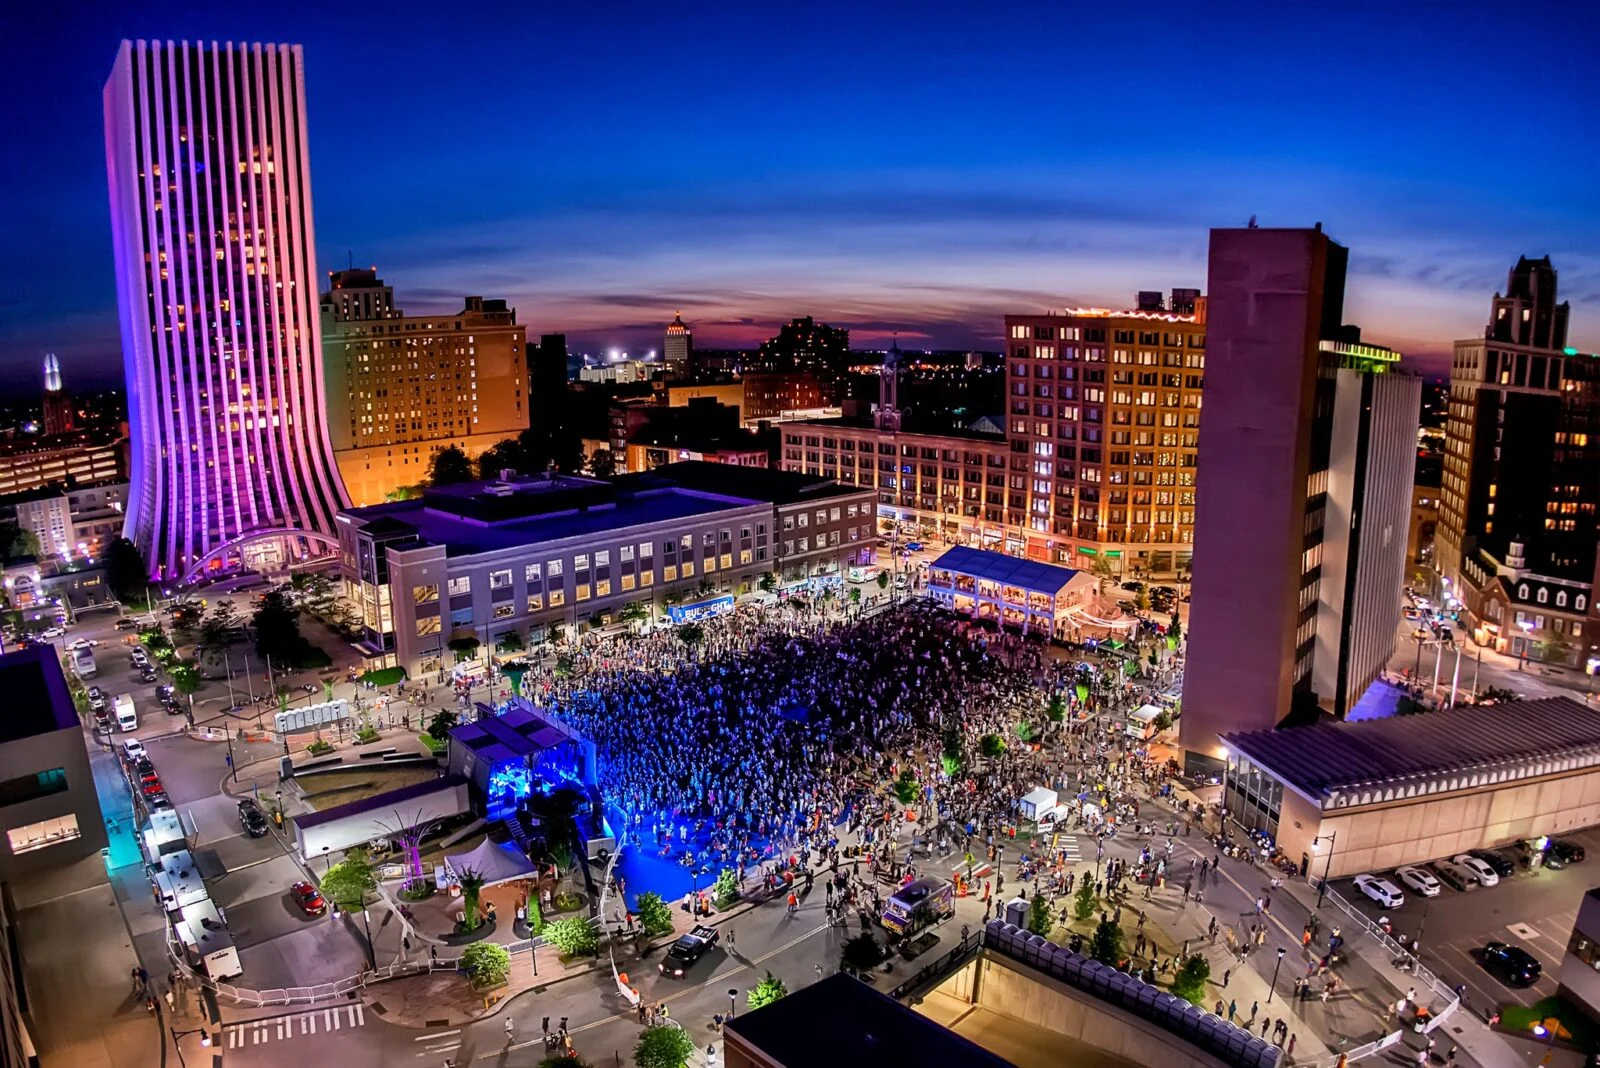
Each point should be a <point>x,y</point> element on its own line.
<point>76,457</point>
<point>70,524</point>
<point>527,555</point>
<point>1296,430</point>
<point>776,394</point>
<point>210,183</point>
<point>402,387</point>
<point>59,416</point>
<point>47,792</point>
<point>1521,481</point>
<point>1106,407</point>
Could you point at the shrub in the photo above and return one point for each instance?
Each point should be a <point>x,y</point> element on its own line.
<point>655,915</point>
<point>1084,901</point>
<point>951,765</point>
<point>319,748</point>
<point>1107,947</point>
<point>348,883</point>
<point>417,890</point>
<point>905,791</point>
<point>991,745</point>
<point>440,724</point>
<point>663,1046</point>
<point>486,963</point>
<point>565,901</point>
<point>367,734</point>
<point>573,936</point>
<point>1190,982</point>
<point>1040,921</point>
<point>726,889</point>
<point>1025,731</point>
<point>435,745</point>
<point>1057,710</point>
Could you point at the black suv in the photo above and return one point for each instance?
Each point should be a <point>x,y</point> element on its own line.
<point>1566,850</point>
<point>252,819</point>
<point>1512,965</point>
<point>1503,865</point>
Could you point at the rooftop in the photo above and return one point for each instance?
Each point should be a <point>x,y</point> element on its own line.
<point>1341,764</point>
<point>387,799</point>
<point>862,1026</point>
<point>913,429</point>
<point>37,699</point>
<point>518,733</point>
<point>1007,570</point>
<point>751,483</point>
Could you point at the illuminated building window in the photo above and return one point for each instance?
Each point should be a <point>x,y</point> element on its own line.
<point>43,834</point>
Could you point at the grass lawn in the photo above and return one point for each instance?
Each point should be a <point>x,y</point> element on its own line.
<point>1574,1025</point>
<point>435,745</point>
<point>384,676</point>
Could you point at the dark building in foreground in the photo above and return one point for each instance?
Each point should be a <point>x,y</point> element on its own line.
<point>1304,491</point>
<point>51,811</point>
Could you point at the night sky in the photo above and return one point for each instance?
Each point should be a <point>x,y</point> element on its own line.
<point>921,169</point>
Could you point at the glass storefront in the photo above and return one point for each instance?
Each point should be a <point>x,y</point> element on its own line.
<point>1253,797</point>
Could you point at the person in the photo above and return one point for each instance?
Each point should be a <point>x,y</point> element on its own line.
<point>511,1032</point>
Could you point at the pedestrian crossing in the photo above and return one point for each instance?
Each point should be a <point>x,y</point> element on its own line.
<point>304,1024</point>
<point>1068,844</point>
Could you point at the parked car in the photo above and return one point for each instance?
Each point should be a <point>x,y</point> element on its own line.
<point>53,632</point>
<point>1569,851</point>
<point>132,750</point>
<point>1512,965</point>
<point>308,898</point>
<point>1503,865</point>
<point>1480,869</point>
<point>97,699</point>
<point>138,656</point>
<point>167,694</point>
<point>1457,876</point>
<point>688,949</point>
<point>82,643</point>
<point>147,673</point>
<point>1419,879</point>
<point>252,819</point>
<point>1133,585</point>
<point>1380,890</point>
<point>127,624</point>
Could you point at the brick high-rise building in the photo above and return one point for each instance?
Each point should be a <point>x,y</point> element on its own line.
<point>1305,467</point>
<point>210,179</point>
<point>402,387</point>
<point>1103,418</point>
<point>59,416</point>
<point>678,346</point>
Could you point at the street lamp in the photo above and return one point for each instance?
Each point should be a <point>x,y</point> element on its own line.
<point>732,994</point>
<point>1327,866</point>
<point>1527,629</point>
<point>1272,988</point>
<point>205,1040</point>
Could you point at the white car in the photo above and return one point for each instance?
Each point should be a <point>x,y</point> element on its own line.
<point>132,749</point>
<point>1381,890</point>
<point>82,643</point>
<point>1421,880</point>
<point>1486,875</point>
<point>53,632</point>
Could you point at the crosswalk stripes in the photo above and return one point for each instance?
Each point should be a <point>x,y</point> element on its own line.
<point>1068,844</point>
<point>281,1028</point>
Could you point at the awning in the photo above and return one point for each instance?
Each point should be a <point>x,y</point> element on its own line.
<point>497,862</point>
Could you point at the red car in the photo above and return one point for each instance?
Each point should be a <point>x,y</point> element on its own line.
<point>309,898</point>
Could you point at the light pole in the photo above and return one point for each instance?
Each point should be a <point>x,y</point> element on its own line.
<point>1272,987</point>
<point>1327,867</point>
<point>732,994</point>
<point>1527,629</point>
<point>205,1040</point>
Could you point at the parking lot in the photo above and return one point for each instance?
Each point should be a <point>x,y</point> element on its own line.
<point>1533,910</point>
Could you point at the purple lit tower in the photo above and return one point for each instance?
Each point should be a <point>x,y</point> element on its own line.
<point>211,223</point>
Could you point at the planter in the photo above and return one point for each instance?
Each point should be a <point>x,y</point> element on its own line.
<point>459,937</point>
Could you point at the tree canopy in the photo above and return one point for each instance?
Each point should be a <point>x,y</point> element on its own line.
<point>450,466</point>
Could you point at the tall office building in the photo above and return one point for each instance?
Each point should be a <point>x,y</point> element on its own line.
<point>1104,419</point>
<point>1516,536</point>
<point>1304,486</point>
<point>206,150</point>
<point>58,414</point>
<point>679,346</point>
<point>402,387</point>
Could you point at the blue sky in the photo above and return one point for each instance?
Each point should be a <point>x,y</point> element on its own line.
<point>920,168</point>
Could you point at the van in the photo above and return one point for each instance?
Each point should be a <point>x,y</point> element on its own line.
<point>127,716</point>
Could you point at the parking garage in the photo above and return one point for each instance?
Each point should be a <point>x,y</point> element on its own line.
<point>1343,798</point>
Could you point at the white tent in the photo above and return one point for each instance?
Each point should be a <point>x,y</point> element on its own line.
<point>1038,802</point>
<point>497,862</point>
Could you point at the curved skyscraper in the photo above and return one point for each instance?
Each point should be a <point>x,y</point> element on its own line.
<point>206,153</point>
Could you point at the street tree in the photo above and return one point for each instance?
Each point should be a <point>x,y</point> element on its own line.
<point>449,467</point>
<point>486,963</point>
<point>348,882</point>
<point>1040,921</point>
<point>126,574</point>
<point>768,990</point>
<point>768,583</point>
<point>442,723</point>
<point>861,953</point>
<point>691,634</point>
<point>1100,567</point>
<point>1107,945</point>
<point>471,886</point>
<point>633,612</point>
<point>663,1046</point>
<point>564,1060</point>
<point>277,627</point>
<point>507,455</point>
<point>1175,627</point>
<point>883,580</point>
<point>603,463</point>
<point>1085,901</point>
<point>655,915</point>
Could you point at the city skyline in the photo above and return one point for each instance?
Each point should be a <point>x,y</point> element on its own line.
<point>744,170</point>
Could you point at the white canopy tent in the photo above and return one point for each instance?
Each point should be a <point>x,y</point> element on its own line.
<point>497,862</point>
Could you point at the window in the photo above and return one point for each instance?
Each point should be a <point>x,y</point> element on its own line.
<point>553,568</point>
<point>535,602</point>
<point>645,549</point>
<point>688,568</point>
<point>602,558</point>
<point>646,578</point>
<point>532,573</point>
<point>625,554</point>
<point>425,594</point>
<point>461,617</point>
<point>499,580</point>
<point>686,543</point>
<point>29,787</point>
<point>627,580</point>
<point>582,593</point>
<point>504,611</point>
<point>1561,598</point>
<point>580,562</point>
<point>1543,595</point>
<point>669,572</point>
<point>557,598</point>
<point>801,520</point>
<point>427,625</point>
<point>44,833</point>
<point>1579,601</point>
<point>460,585</point>
<point>744,556</point>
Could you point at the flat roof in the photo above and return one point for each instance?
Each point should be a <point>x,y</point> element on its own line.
<point>913,429</point>
<point>379,801</point>
<point>37,698</point>
<point>858,1026</point>
<point>1467,746</point>
<point>1005,569</point>
<point>754,483</point>
<point>516,734</point>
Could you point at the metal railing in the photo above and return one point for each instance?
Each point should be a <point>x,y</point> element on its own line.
<point>959,955</point>
<point>1396,951</point>
<point>310,995</point>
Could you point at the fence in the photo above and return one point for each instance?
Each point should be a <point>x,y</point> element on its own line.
<point>307,995</point>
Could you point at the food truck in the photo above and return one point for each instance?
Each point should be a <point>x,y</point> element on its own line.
<point>920,903</point>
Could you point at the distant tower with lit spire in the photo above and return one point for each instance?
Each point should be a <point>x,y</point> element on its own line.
<point>679,345</point>
<point>58,417</point>
<point>887,417</point>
